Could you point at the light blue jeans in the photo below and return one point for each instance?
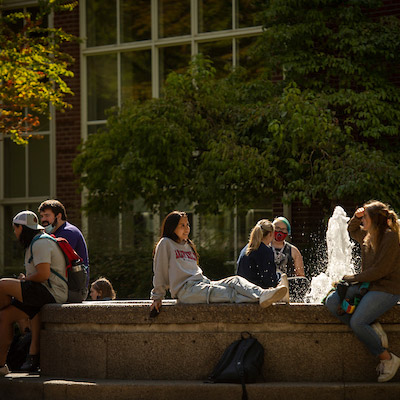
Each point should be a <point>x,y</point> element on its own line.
<point>233,289</point>
<point>371,307</point>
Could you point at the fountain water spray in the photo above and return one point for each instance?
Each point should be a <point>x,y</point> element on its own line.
<point>339,257</point>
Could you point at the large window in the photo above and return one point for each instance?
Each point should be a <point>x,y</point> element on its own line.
<point>131,46</point>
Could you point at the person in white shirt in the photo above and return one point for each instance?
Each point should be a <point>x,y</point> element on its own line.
<point>175,267</point>
<point>24,297</point>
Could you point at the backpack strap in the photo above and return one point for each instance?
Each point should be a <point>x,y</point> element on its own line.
<point>42,236</point>
<point>59,275</point>
<point>247,343</point>
<point>46,236</point>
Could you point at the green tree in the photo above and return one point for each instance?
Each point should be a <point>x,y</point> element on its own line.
<point>190,144</point>
<point>344,54</point>
<point>32,69</point>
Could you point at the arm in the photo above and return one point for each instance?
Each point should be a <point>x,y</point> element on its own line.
<point>298,261</point>
<point>386,261</point>
<point>354,226</point>
<point>161,272</point>
<point>42,273</point>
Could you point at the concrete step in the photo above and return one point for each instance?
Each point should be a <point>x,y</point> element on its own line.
<point>33,387</point>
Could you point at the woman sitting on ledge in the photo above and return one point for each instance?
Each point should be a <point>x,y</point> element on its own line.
<point>175,267</point>
<point>256,261</point>
<point>380,252</point>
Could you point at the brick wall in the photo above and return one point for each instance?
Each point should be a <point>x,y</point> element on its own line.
<point>68,124</point>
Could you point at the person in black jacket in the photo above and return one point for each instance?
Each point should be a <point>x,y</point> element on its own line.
<point>256,261</point>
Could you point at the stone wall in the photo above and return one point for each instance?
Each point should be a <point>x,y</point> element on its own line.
<point>118,340</point>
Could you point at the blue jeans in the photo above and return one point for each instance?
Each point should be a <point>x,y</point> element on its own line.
<point>371,307</point>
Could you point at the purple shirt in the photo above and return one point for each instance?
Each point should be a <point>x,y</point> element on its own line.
<point>75,239</point>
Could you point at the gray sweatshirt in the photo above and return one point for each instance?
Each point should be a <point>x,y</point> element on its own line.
<point>174,264</point>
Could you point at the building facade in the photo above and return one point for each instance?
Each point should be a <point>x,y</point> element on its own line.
<point>128,48</point>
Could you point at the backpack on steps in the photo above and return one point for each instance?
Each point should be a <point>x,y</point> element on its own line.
<point>76,273</point>
<point>241,363</point>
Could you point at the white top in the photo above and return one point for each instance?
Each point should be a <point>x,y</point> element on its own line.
<point>47,251</point>
<point>174,264</point>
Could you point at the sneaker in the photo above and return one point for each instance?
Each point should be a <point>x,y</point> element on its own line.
<point>387,368</point>
<point>272,295</point>
<point>377,327</point>
<point>4,370</point>
<point>285,283</point>
<point>31,364</point>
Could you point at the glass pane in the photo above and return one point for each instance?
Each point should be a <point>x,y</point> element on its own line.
<point>14,169</point>
<point>95,128</point>
<point>101,22</point>
<point>221,55</point>
<point>103,233</point>
<point>215,15</point>
<point>246,56</point>
<point>173,18</point>
<point>135,20</point>
<point>136,75</point>
<point>174,58</point>
<point>102,85</point>
<point>13,251</point>
<point>246,13</point>
<point>39,166</point>
<point>137,229</point>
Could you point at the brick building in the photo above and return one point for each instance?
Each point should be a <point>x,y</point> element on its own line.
<point>128,48</point>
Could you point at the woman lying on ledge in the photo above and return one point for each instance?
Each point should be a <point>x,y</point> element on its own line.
<point>175,267</point>
<point>380,252</point>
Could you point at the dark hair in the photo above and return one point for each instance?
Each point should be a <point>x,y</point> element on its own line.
<point>104,286</point>
<point>170,223</point>
<point>54,205</point>
<point>168,227</point>
<point>27,235</point>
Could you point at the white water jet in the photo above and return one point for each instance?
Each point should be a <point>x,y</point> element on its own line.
<point>339,257</point>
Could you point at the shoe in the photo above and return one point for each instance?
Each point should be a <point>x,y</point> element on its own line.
<point>4,370</point>
<point>284,283</point>
<point>377,327</point>
<point>31,364</point>
<point>387,368</point>
<point>272,295</point>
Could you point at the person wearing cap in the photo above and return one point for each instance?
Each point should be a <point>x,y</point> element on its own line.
<point>53,217</point>
<point>24,297</point>
<point>288,258</point>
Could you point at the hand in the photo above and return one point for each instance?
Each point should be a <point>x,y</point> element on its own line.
<point>21,277</point>
<point>360,212</point>
<point>348,278</point>
<point>156,304</point>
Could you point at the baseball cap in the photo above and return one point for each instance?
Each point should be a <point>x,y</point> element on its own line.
<point>27,218</point>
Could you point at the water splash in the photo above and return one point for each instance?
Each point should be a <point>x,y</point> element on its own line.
<point>340,263</point>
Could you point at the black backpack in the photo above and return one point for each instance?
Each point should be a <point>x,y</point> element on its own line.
<point>241,363</point>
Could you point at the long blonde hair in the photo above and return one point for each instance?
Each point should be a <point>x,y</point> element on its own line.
<point>263,228</point>
<point>382,218</point>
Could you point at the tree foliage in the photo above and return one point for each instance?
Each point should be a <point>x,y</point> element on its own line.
<point>344,53</point>
<point>185,145</point>
<point>32,69</point>
<point>327,131</point>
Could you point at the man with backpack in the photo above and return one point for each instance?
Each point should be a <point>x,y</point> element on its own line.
<point>53,217</point>
<point>24,297</point>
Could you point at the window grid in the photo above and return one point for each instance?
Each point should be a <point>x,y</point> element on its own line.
<point>155,44</point>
